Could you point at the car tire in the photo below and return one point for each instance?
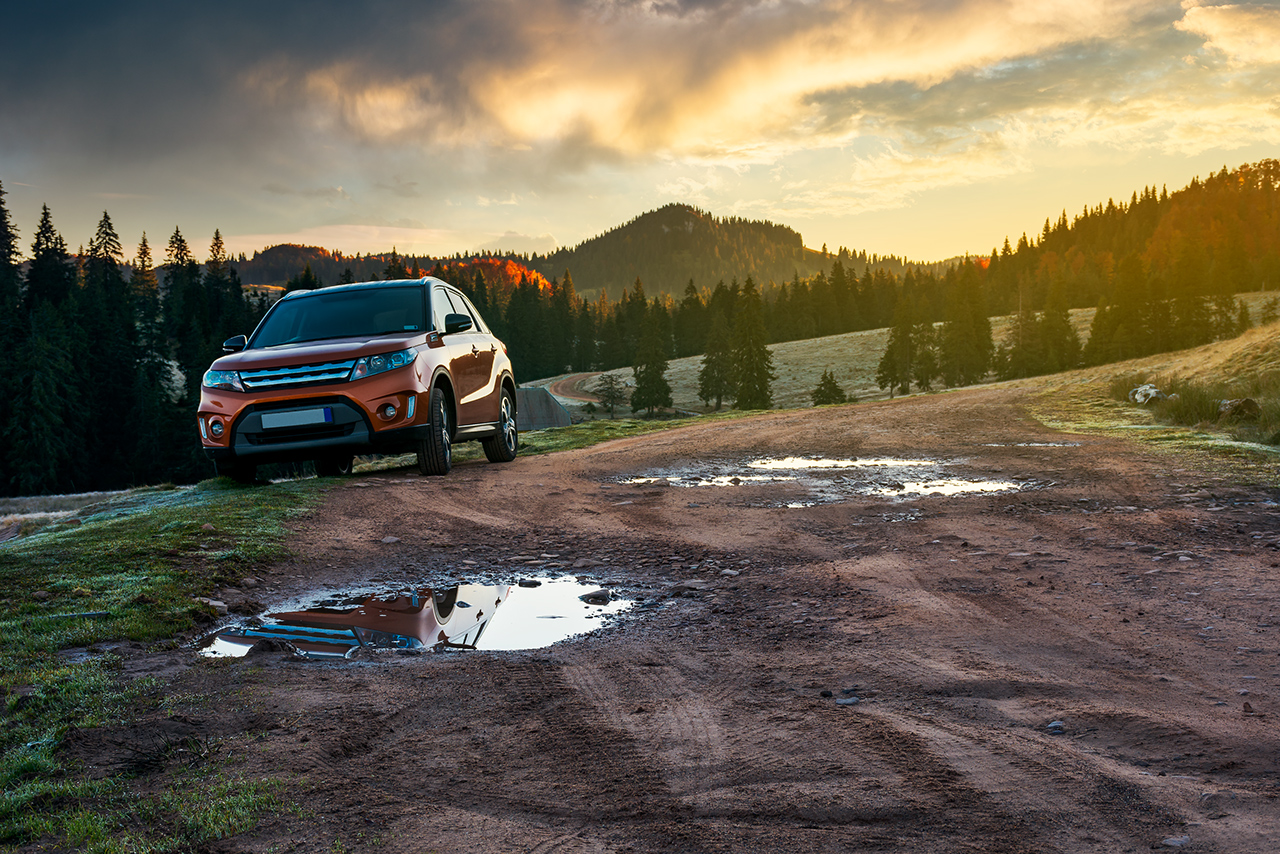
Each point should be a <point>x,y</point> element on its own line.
<point>240,472</point>
<point>503,447</point>
<point>435,454</point>
<point>338,465</point>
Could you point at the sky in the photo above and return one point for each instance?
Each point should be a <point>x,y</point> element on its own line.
<point>918,128</point>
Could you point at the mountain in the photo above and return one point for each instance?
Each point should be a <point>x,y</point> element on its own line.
<point>667,247</point>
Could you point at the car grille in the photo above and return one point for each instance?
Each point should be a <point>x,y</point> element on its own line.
<point>297,375</point>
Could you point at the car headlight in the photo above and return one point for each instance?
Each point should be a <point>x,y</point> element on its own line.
<point>229,380</point>
<point>367,366</point>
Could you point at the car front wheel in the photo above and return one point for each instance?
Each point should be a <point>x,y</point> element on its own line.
<point>502,448</point>
<point>435,455</point>
<point>335,466</point>
<point>238,471</point>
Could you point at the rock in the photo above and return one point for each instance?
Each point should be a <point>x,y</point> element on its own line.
<point>1146,393</point>
<point>269,645</point>
<point>1240,409</point>
<point>219,607</point>
<point>389,540</point>
<point>729,572</point>
<point>597,597</point>
<point>529,582</point>
<point>825,694</point>
<point>250,582</point>
<point>586,563</point>
<point>1056,728</point>
<point>40,595</point>
<point>1176,841</point>
<point>207,526</point>
<point>848,701</point>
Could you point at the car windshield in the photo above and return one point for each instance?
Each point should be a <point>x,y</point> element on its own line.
<point>343,314</point>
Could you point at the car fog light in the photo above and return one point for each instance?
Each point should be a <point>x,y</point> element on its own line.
<point>215,428</point>
<point>388,411</point>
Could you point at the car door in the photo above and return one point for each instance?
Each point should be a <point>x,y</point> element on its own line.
<point>485,349</point>
<point>467,358</point>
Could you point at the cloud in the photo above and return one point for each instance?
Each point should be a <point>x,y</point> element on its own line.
<point>1247,34</point>
<point>513,241</point>
<point>326,193</point>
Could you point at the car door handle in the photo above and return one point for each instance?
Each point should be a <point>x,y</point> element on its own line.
<point>474,350</point>
<point>493,348</point>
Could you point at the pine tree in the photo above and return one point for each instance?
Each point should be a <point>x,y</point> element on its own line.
<point>10,269</point>
<point>395,267</point>
<point>715,376</point>
<point>610,390</point>
<point>966,347</point>
<point>52,274</point>
<point>828,391</point>
<point>753,372</point>
<point>652,389</point>
<point>894,369</point>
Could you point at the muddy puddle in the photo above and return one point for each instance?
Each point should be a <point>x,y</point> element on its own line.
<point>532,614</point>
<point>818,480</point>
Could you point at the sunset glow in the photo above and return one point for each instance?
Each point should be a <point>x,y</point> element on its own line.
<point>919,128</point>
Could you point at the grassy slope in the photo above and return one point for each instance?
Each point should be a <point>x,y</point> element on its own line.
<point>852,357</point>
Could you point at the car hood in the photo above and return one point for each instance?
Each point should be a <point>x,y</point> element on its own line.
<point>316,352</point>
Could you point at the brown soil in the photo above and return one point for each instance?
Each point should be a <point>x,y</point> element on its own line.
<point>1128,596</point>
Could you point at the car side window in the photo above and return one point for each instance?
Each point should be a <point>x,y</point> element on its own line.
<point>475,315</point>
<point>440,306</point>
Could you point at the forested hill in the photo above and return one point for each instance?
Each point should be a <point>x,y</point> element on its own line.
<point>275,265</point>
<point>668,247</point>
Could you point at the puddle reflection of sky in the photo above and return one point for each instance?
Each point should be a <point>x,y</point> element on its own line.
<point>831,480</point>
<point>469,616</point>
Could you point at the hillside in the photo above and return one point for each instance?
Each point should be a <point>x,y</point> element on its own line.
<point>852,357</point>
<point>668,247</point>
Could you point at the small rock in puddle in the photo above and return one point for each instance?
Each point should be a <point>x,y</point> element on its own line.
<point>533,614</point>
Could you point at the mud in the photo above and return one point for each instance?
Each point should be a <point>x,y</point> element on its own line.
<point>1087,666</point>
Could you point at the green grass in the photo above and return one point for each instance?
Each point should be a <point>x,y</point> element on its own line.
<point>126,572</point>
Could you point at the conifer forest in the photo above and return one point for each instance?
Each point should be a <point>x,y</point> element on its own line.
<point>102,350</point>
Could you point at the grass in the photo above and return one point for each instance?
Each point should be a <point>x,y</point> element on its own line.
<point>1196,403</point>
<point>126,570</point>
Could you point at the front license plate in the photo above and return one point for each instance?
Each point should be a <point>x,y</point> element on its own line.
<point>297,418</point>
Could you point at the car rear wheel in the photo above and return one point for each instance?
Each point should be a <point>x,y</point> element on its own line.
<point>240,472</point>
<point>502,448</point>
<point>435,454</point>
<point>335,466</point>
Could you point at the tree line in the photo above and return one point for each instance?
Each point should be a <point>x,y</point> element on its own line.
<point>101,358</point>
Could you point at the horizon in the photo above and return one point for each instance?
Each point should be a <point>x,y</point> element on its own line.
<point>925,130</point>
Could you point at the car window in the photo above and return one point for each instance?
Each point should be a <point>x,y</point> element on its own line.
<point>480,324</point>
<point>440,306</point>
<point>342,314</point>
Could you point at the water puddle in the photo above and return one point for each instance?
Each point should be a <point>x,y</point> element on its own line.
<point>529,615</point>
<point>821,480</point>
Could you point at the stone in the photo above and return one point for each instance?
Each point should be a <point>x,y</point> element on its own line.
<point>848,701</point>
<point>1176,841</point>
<point>597,597</point>
<point>1146,393</point>
<point>1240,409</point>
<point>389,540</point>
<point>729,572</point>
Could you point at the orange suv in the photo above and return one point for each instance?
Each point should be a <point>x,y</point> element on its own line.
<point>378,367</point>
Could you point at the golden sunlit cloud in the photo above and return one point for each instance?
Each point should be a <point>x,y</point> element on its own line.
<point>1247,34</point>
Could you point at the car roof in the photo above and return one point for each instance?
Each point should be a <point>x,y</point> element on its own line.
<point>366,286</point>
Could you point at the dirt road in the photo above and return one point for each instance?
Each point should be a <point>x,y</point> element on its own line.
<point>1086,664</point>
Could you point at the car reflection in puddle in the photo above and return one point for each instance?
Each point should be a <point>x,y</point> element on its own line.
<point>531,615</point>
<point>828,481</point>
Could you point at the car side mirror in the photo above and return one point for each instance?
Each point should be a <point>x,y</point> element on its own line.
<point>234,345</point>
<point>456,323</point>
